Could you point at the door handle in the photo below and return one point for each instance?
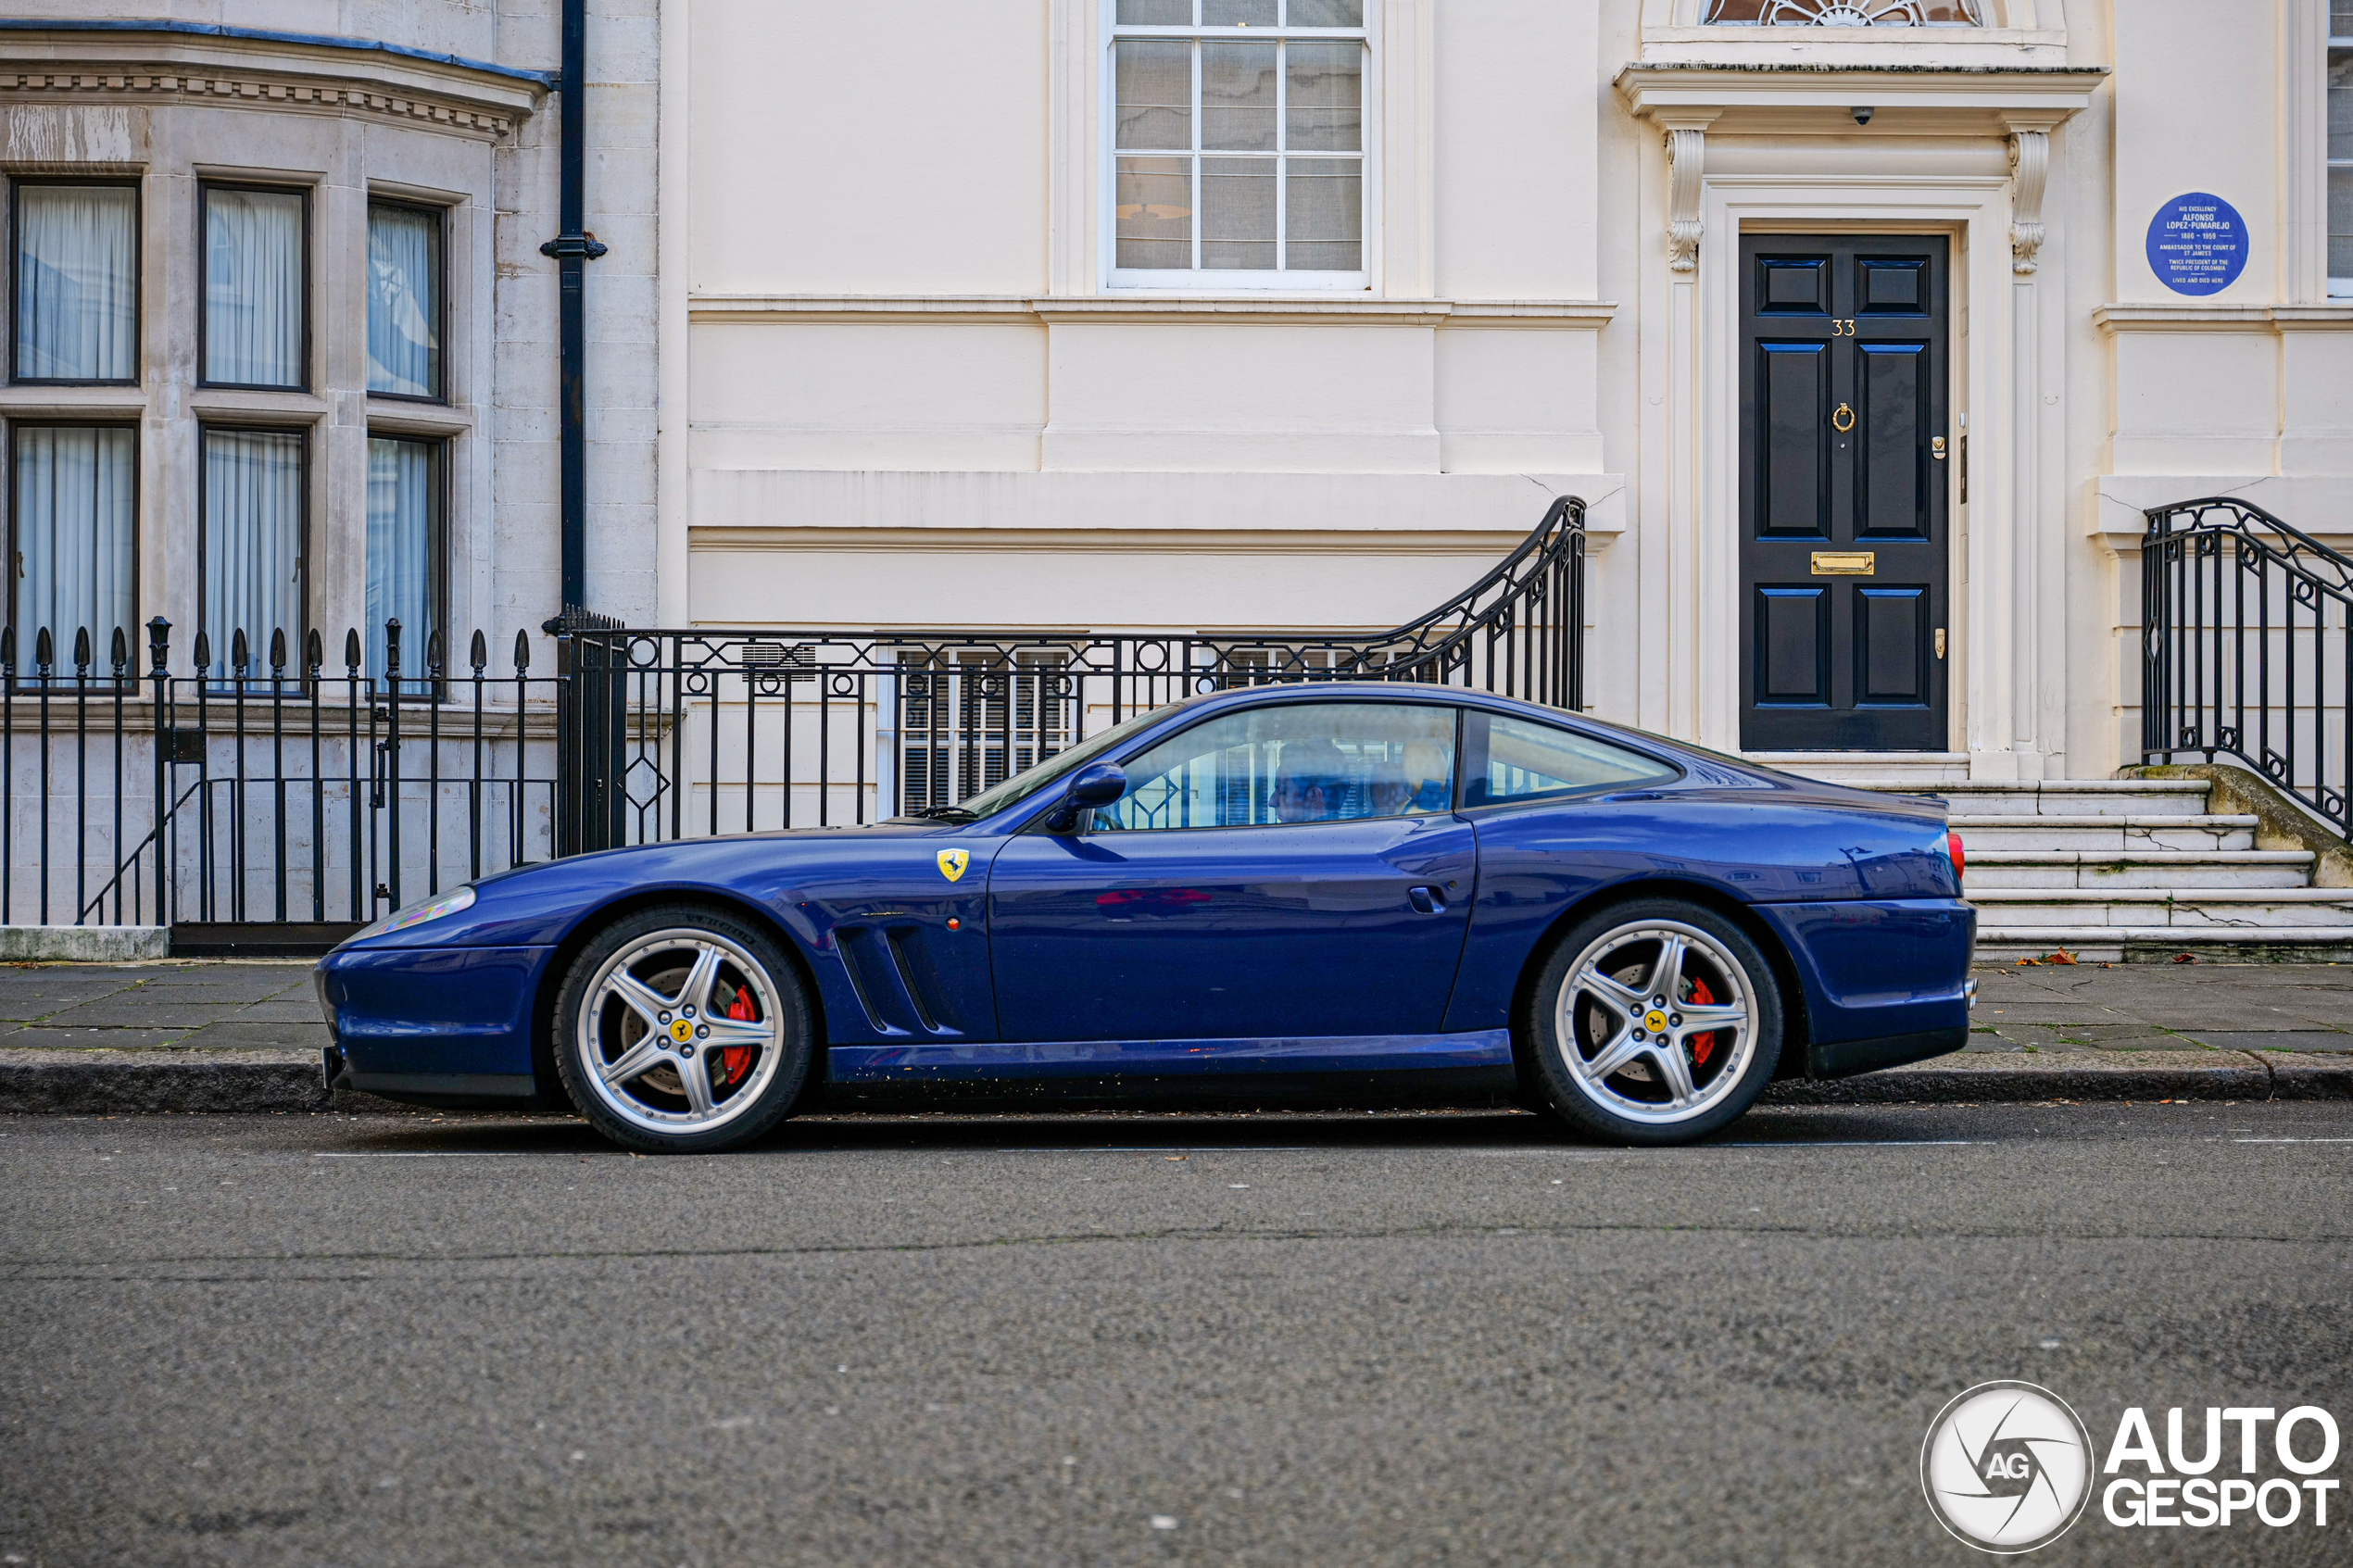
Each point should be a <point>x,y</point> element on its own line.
<point>1429,900</point>
<point>1842,419</point>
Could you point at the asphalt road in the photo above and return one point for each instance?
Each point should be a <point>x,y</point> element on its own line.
<point>1262,1339</point>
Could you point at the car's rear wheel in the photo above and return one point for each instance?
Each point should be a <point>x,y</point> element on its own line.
<point>1654,1022</point>
<point>682,1030</point>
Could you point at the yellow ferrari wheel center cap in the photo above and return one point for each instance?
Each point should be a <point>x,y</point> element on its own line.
<point>682,1031</point>
<point>1654,1021</point>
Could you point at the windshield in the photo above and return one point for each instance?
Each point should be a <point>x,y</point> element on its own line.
<point>1021,786</point>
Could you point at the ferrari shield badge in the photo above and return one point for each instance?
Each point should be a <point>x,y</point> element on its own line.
<point>952,863</point>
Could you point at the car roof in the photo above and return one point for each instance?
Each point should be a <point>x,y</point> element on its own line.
<point>1279,693</point>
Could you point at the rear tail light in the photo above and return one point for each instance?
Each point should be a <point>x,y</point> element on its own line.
<point>1959,857</point>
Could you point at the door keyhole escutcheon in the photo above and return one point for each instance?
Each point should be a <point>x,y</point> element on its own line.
<point>1843,420</point>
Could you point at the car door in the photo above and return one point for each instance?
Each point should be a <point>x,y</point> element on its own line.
<point>1285,871</point>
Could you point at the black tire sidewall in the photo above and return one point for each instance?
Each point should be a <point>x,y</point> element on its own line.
<point>1549,1072</point>
<point>795,1044</point>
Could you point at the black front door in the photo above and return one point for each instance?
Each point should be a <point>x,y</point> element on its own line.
<point>1842,464</point>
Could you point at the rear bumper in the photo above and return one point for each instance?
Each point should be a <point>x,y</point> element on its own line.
<point>1843,1059</point>
<point>1885,981</point>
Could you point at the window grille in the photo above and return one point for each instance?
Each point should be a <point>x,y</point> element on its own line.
<point>972,720</point>
<point>1845,13</point>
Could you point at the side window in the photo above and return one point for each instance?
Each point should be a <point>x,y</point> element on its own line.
<point>1513,759</point>
<point>1303,762</point>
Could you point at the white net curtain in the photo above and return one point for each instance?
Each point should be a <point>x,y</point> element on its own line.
<point>77,308</point>
<point>76,489</point>
<point>403,520</point>
<point>253,287</point>
<point>252,554</point>
<point>404,301</point>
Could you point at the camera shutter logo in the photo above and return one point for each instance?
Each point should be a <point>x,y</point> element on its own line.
<point>2006,1467</point>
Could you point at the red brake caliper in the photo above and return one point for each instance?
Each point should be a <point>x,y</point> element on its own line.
<point>735,1060</point>
<point>1701,1044</point>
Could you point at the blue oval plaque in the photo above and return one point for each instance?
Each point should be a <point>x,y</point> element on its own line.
<point>2197,244</point>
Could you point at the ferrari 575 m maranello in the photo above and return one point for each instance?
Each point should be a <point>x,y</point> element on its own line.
<point>1277,893</point>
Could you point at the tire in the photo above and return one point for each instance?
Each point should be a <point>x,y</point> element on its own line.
<point>658,1000</point>
<point>1595,1003</point>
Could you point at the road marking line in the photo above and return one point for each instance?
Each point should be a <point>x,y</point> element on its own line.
<point>2292,1140</point>
<point>1161,1149</point>
<point>450,1154</point>
<point>1856,1143</point>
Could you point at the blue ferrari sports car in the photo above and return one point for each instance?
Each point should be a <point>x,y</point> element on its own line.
<point>1275,894</point>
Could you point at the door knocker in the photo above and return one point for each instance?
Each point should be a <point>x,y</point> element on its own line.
<point>1844,420</point>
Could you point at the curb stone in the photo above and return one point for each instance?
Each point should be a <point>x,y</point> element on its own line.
<point>60,1082</point>
<point>85,1082</point>
<point>2089,1074</point>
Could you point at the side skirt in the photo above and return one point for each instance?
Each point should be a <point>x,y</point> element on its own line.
<point>1346,1054</point>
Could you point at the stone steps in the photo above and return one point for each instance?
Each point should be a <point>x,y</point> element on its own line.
<point>2131,834</point>
<point>2058,797</point>
<point>2118,870</point>
<point>2163,908</point>
<point>2009,870</point>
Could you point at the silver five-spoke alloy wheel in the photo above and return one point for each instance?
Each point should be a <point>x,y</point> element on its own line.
<point>678,1032</point>
<point>1656,1021</point>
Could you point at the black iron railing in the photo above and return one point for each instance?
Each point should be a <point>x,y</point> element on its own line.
<point>256,791</point>
<point>2245,649</point>
<point>679,733</point>
<point>237,786</point>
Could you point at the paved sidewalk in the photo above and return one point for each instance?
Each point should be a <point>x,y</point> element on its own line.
<point>2057,1007</point>
<point>246,1036</point>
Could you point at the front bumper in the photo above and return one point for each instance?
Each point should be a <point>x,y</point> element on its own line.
<point>435,1025</point>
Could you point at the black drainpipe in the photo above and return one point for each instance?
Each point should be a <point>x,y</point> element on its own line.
<point>573,248</point>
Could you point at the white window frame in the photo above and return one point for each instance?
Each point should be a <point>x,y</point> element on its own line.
<point>2334,45</point>
<point>1196,281</point>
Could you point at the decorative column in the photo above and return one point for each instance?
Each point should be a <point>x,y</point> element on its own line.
<point>2030,551</point>
<point>1673,550</point>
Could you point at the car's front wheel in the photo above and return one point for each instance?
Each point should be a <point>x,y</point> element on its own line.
<point>682,1030</point>
<point>1654,1022</point>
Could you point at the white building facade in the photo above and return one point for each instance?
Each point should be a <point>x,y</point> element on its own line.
<point>1216,314</point>
<point>1198,315</point>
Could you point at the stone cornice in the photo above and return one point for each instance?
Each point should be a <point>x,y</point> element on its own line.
<point>2338,315</point>
<point>1819,98</point>
<point>267,71</point>
<point>1020,309</point>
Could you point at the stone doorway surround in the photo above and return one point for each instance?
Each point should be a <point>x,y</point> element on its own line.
<point>1961,149</point>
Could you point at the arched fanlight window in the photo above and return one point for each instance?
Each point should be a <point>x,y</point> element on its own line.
<point>1845,13</point>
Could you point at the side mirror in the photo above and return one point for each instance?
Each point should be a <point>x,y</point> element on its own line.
<point>1097,783</point>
